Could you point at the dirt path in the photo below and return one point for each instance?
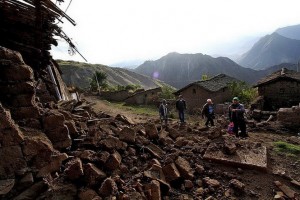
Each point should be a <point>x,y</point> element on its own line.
<point>110,109</point>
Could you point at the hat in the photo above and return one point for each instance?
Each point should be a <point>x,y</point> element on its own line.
<point>235,98</point>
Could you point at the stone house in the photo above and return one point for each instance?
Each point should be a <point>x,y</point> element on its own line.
<point>280,89</point>
<point>150,96</point>
<point>215,88</point>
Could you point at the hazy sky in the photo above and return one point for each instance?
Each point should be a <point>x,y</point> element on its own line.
<point>112,31</point>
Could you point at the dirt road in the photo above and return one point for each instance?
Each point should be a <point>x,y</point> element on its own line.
<point>112,110</point>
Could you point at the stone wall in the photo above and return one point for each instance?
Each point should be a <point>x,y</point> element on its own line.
<point>29,132</point>
<point>290,117</point>
<point>116,96</point>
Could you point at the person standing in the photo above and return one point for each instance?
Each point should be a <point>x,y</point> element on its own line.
<point>181,107</point>
<point>236,115</point>
<point>163,112</point>
<point>208,112</point>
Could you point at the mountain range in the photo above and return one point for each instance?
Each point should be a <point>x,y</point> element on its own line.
<point>179,70</point>
<point>271,50</point>
<point>270,53</point>
<point>266,55</point>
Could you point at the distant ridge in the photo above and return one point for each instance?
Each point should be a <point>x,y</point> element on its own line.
<point>271,50</point>
<point>292,32</point>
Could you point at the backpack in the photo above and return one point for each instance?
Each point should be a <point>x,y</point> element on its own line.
<point>230,128</point>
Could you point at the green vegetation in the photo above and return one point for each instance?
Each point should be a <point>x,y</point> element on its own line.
<point>245,93</point>
<point>287,148</point>
<point>204,77</point>
<point>130,87</point>
<point>167,92</point>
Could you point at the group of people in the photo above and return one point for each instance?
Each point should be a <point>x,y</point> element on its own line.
<point>180,106</point>
<point>235,113</point>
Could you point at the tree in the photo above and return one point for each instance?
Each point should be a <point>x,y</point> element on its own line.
<point>245,93</point>
<point>167,92</point>
<point>98,81</point>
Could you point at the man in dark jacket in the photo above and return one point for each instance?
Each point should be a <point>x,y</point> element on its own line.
<point>181,107</point>
<point>163,112</point>
<point>236,115</point>
<point>208,111</point>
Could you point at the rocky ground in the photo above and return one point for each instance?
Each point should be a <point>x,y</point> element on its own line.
<point>259,184</point>
<point>115,154</point>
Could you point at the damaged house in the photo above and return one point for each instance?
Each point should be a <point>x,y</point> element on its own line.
<point>280,89</point>
<point>215,88</point>
<point>145,97</point>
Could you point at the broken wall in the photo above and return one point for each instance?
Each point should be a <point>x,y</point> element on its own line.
<point>290,117</point>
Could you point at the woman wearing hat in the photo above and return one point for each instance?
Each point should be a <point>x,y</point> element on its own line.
<point>236,115</point>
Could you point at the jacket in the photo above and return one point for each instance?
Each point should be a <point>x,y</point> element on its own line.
<point>205,110</point>
<point>163,110</point>
<point>180,105</point>
<point>238,115</point>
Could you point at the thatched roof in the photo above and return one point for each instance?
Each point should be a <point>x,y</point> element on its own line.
<point>283,74</point>
<point>213,84</point>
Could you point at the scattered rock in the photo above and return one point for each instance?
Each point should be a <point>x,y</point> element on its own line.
<point>108,187</point>
<point>74,169</point>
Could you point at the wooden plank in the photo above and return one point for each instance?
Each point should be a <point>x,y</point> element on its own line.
<point>286,190</point>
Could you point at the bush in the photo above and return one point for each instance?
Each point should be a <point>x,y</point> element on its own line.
<point>167,93</point>
<point>245,93</point>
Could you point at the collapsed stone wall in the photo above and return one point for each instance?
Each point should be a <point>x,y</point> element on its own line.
<point>18,88</point>
<point>30,134</point>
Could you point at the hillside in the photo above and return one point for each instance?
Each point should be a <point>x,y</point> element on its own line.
<point>292,32</point>
<point>271,50</point>
<point>179,70</point>
<point>79,74</point>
